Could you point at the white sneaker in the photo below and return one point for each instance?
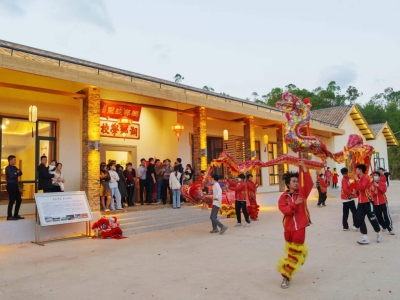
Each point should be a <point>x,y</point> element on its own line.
<point>355,228</point>
<point>363,241</point>
<point>238,225</point>
<point>345,229</point>
<point>379,237</point>
<point>247,225</point>
<point>285,283</point>
<point>384,230</point>
<point>392,232</point>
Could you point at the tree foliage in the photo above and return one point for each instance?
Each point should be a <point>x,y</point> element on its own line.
<point>320,97</point>
<point>178,78</point>
<point>385,107</point>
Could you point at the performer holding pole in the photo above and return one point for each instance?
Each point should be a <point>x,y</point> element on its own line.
<point>293,205</point>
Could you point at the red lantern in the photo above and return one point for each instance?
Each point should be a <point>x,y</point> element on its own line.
<point>124,123</point>
<point>177,128</point>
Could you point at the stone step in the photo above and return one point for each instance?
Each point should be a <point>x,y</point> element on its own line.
<point>134,223</point>
<point>163,226</point>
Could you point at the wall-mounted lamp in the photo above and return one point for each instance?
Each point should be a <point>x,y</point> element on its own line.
<point>96,145</point>
<point>226,137</point>
<point>265,139</point>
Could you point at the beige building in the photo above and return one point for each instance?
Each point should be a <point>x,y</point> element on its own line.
<point>88,113</point>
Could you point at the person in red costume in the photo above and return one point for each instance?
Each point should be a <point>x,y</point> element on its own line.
<point>253,207</point>
<point>348,197</point>
<point>365,205</point>
<point>240,188</point>
<point>293,204</point>
<point>378,192</point>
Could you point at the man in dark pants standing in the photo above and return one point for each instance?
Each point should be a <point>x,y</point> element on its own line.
<point>365,206</point>
<point>387,174</point>
<point>142,170</point>
<point>151,180</point>
<point>45,182</point>
<point>12,174</point>
<point>348,195</point>
<point>180,170</point>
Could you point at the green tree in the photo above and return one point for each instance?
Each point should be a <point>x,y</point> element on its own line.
<point>384,107</point>
<point>208,88</point>
<point>320,97</point>
<point>178,78</point>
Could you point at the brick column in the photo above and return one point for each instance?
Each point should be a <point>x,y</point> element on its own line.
<point>90,156</point>
<point>200,139</point>
<point>249,138</point>
<point>281,151</point>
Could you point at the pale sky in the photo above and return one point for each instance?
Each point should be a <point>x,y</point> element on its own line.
<point>235,46</point>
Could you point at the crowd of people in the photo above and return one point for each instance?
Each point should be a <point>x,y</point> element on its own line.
<point>154,180</point>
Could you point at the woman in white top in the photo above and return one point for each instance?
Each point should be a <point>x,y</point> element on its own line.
<point>113,183</point>
<point>175,186</point>
<point>58,179</point>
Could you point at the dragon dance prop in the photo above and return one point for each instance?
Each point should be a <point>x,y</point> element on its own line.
<point>297,137</point>
<point>298,117</point>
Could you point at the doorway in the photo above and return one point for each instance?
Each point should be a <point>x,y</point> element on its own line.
<point>121,154</point>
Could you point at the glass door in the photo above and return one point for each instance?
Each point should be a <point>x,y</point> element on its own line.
<point>16,139</point>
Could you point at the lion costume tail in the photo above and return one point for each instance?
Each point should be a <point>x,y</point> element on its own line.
<point>296,257</point>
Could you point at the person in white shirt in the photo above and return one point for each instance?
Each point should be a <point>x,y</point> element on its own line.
<point>217,201</point>
<point>175,185</point>
<point>113,183</point>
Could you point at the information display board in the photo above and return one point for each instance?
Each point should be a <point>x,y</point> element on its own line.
<point>63,208</point>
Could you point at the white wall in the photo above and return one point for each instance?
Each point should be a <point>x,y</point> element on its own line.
<point>380,145</point>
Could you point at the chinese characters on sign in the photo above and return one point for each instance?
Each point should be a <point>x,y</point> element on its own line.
<point>113,130</point>
<point>116,110</point>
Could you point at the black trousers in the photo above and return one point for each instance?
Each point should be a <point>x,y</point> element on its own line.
<point>149,191</point>
<point>49,190</point>
<point>164,188</point>
<point>14,197</point>
<point>367,209</point>
<point>322,198</point>
<point>143,186</point>
<point>383,216</point>
<point>334,185</point>
<point>130,191</point>
<point>241,205</point>
<point>349,206</point>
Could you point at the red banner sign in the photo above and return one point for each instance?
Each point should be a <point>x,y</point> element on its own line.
<point>116,110</point>
<point>115,130</point>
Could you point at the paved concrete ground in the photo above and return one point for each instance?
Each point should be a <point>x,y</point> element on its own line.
<point>190,263</point>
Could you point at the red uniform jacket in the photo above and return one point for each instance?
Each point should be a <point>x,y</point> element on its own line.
<point>239,188</point>
<point>362,186</point>
<point>323,185</point>
<point>378,192</point>
<point>347,189</point>
<point>296,216</point>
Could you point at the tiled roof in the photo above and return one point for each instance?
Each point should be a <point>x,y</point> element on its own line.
<point>331,115</point>
<point>376,128</point>
<point>387,132</point>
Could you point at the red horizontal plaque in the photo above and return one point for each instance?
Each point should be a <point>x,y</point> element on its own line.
<point>113,130</point>
<point>117,110</point>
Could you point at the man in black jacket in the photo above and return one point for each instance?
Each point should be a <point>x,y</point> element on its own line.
<point>12,174</point>
<point>45,182</point>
